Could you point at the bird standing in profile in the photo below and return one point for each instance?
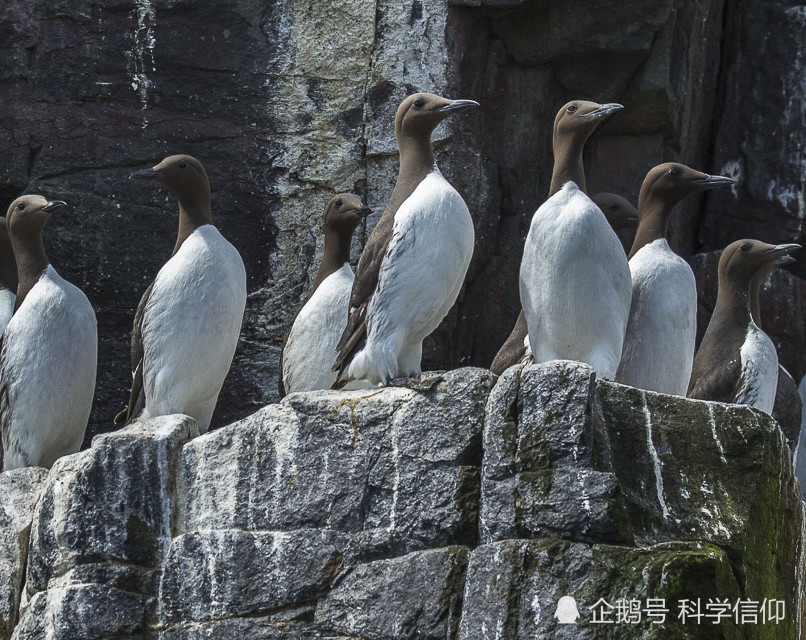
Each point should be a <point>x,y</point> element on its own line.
<point>659,346</point>
<point>188,321</point>
<point>415,260</point>
<point>737,361</point>
<point>48,352</point>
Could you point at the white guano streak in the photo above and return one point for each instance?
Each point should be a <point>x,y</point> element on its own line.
<point>712,420</point>
<point>655,459</point>
<point>143,53</point>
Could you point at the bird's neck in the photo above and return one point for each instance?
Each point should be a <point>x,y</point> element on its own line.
<point>416,158</point>
<point>337,254</point>
<point>733,301</point>
<point>653,222</point>
<point>192,215</point>
<point>568,165</point>
<point>755,295</point>
<point>32,261</point>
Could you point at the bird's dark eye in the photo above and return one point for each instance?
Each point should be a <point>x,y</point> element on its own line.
<point>572,108</point>
<point>614,207</point>
<point>21,206</point>
<point>418,103</point>
<point>745,246</point>
<point>183,164</point>
<point>674,171</point>
<point>339,203</point>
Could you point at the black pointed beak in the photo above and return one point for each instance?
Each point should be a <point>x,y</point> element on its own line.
<point>713,182</point>
<point>457,105</point>
<point>362,212</point>
<point>781,253</point>
<point>147,174</point>
<point>51,206</point>
<point>605,110</point>
<point>632,221</point>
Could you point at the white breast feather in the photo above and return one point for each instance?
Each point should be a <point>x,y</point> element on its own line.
<point>575,284</point>
<point>7,299</point>
<point>49,361</point>
<point>419,280</point>
<point>311,346</point>
<point>191,326</point>
<point>658,349</point>
<point>758,380</point>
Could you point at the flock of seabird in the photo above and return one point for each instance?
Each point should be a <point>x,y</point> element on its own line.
<point>631,317</point>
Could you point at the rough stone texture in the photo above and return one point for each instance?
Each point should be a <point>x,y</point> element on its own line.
<point>537,440</point>
<point>605,463</point>
<point>760,137</point>
<point>289,102</point>
<point>100,533</point>
<point>415,596</point>
<point>381,469</point>
<point>463,512</point>
<point>19,492</point>
<point>513,588</point>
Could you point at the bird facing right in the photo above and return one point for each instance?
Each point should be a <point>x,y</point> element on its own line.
<point>737,361</point>
<point>307,357</point>
<point>416,258</point>
<point>659,344</point>
<point>49,351</point>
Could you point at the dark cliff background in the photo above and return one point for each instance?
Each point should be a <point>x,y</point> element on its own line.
<point>287,102</point>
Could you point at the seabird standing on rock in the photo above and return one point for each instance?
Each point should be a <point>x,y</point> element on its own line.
<point>620,214</point>
<point>659,345</point>
<point>307,357</point>
<point>48,352</point>
<point>574,277</point>
<point>736,361</point>
<point>415,260</point>
<point>188,321</point>
<point>8,276</point>
<point>573,125</point>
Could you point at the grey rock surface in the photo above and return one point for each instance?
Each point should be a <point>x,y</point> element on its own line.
<point>465,511</point>
<point>418,595</point>
<point>19,493</point>
<point>513,588</point>
<point>100,532</point>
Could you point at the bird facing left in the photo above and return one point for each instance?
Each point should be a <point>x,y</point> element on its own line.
<point>188,321</point>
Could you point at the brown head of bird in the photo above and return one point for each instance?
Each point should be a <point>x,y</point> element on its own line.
<point>662,190</point>
<point>620,212</point>
<point>742,260</point>
<point>419,114</point>
<point>573,125</point>
<point>26,218</point>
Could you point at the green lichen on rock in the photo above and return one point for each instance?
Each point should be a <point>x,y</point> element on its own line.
<point>514,587</point>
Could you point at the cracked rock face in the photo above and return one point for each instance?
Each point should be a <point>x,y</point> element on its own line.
<point>466,511</point>
<point>19,492</point>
